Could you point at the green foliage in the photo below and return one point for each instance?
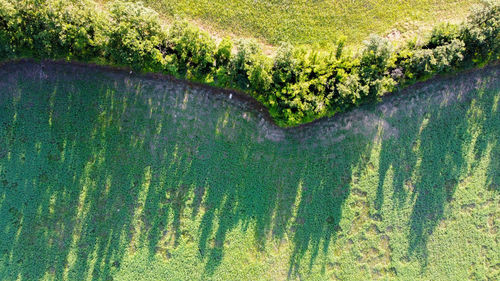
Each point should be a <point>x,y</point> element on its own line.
<point>425,62</point>
<point>83,28</point>
<point>284,66</point>
<point>223,53</point>
<point>34,30</point>
<point>297,85</point>
<point>375,56</point>
<point>350,88</point>
<point>481,33</point>
<point>442,34</point>
<point>193,51</point>
<point>250,68</point>
<point>52,29</point>
<point>310,93</point>
<point>223,57</point>
<point>135,36</point>
<point>303,84</point>
<point>7,12</point>
<point>374,63</point>
<point>340,47</point>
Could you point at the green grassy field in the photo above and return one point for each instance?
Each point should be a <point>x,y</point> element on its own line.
<point>313,22</point>
<point>104,176</point>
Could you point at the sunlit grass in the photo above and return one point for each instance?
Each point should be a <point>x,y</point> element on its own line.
<point>313,22</point>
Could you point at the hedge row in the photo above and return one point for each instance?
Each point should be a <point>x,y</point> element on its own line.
<point>297,85</point>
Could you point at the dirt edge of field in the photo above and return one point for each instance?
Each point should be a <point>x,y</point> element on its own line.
<point>250,102</point>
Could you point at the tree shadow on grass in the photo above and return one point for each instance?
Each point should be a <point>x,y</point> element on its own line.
<point>94,165</point>
<point>439,144</point>
<point>73,176</point>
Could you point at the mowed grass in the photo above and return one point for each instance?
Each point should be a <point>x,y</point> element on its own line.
<point>105,176</point>
<point>313,22</point>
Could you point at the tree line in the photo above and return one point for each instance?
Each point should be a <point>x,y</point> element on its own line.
<point>298,84</point>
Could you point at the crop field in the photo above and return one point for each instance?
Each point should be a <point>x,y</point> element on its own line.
<point>110,176</point>
<point>313,22</point>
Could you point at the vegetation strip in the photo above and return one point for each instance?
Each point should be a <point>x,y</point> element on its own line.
<point>298,85</point>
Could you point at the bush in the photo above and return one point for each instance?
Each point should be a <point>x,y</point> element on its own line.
<point>223,53</point>
<point>250,68</point>
<point>442,34</point>
<point>426,62</point>
<point>375,56</point>
<point>223,57</point>
<point>52,29</point>
<point>374,66</point>
<point>34,29</point>
<point>193,51</point>
<point>350,89</point>
<point>7,12</point>
<point>481,33</point>
<point>135,37</point>
<point>83,30</point>
<point>302,83</point>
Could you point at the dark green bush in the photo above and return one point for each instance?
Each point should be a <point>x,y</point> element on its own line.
<point>7,12</point>
<point>223,53</point>
<point>223,57</point>
<point>375,56</point>
<point>193,51</point>
<point>291,85</point>
<point>35,30</point>
<point>52,29</point>
<point>425,62</point>
<point>442,34</point>
<point>481,33</point>
<point>82,30</point>
<point>284,67</point>
<point>374,67</point>
<point>135,37</point>
<point>351,89</point>
<point>250,68</point>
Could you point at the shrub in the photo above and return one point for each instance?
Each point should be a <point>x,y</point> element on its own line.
<point>425,62</point>
<point>7,12</point>
<point>193,50</point>
<point>375,56</point>
<point>135,37</point>
<point>350,89</point>
<point>340,47</point>
<point>284,67</point>
<point>250,68</point>
<point>83,30</point>
<point>448,56</point>
<point>442,34</point>
<point>223,57</point>
<point>481,33</point>
<point>34,30</point>
<point>302,84</point>
<point>53,29</point>
<point>374,65</point>
<point>224,52</point>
